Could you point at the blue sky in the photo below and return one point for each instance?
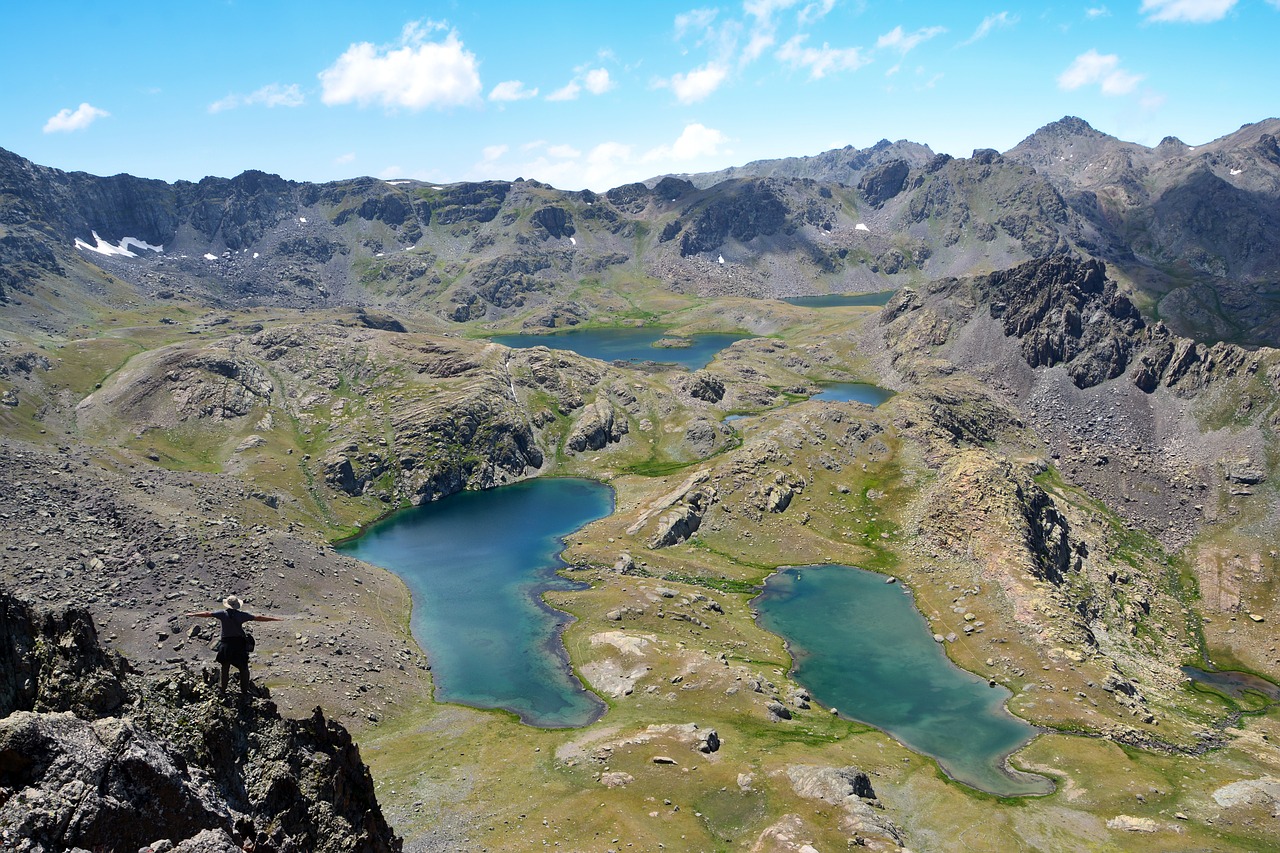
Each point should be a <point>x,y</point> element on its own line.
<point>596,94</point>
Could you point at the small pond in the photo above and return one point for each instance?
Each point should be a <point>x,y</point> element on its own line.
<point>629,344</point>
<point>1233,684</point>
<point>840,300</point>
<point>861,646</point>
<point>476,564</point>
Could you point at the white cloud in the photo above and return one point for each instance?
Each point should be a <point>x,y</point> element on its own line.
<point>271,95</point>
<point>349,157</point>
<point>814,11</point>
<point>511,90</point>
<point>78,119</point>
<point>1103,69</point>
<point>568,92</point>
<point>416,74</point>
<point>698,83</point>
<point>1187,11</point>
<point>597,81</point>
<point>564,152</point>
<point>1097,12</point>
<point>694,20</point>
<point>903,42</point>
<point>820,61</point>
<point>997,21</point>
<point>695,141</point>
<point>605,165</point>
<point>391,172</point>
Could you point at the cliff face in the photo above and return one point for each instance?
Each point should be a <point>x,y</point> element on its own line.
<point>94,758</point>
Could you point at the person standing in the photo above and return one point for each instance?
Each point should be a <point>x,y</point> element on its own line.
<point>233,647</point>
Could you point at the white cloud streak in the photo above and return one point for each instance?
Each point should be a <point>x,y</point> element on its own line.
<point>80,118</point>
<point>997,21</point>
<point>694,20</point>
<point>271,95</point>
<point>821,61</point>
<point>415,74</point>
<point>595,80</point>
<point>904,42</point>
<point>511,90</point>
<point>1091,68</point>
<point>1187,11</point>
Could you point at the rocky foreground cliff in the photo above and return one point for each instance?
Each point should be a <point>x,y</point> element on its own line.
<point>95,757</point>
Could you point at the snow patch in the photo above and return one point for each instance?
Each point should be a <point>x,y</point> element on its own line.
<point>210,257</point>
<point>302,219</point>
<point>398,183</point>
<point>573,241</point>
<point>255,256</point>
<point>861,226</point>
<point>720,260</point>
<point>1236,171</point>
<point>102,247</point>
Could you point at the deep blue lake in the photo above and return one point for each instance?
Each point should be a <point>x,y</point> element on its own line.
<point>476,564</point>
<point>861,646</point>
<point>862,392</point>
<point>839,300</point>
<point>627,344</point>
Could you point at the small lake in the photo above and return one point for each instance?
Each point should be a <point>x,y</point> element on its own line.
<point>861,646</point>
<point>861,392</point>
<point>840,300</point>
<point>476,564</point>
<point>1234,684</point>
<point>628,344</point>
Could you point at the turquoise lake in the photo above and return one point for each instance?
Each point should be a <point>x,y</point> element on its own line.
<point>476,564</point>
<point>628,344</point>
<point>840,300</point>
<point>861,646</point>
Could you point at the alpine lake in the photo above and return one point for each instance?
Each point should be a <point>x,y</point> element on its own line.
<point>638,344</point>
<point>477,564</point>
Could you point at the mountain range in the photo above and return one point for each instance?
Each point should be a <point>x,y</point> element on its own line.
<point>1189,231</point>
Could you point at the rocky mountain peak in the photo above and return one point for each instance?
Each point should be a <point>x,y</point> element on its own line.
<point>1068,126</point>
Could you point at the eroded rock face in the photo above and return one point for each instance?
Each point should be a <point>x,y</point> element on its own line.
<point>597,426</point>
<point>130,762</point>
<point>1067,311</point>
<point>51,662</point>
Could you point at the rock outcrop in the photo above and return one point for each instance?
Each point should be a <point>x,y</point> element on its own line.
<point>94,758</point>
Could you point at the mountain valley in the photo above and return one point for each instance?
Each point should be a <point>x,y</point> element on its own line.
<point>206,385</point>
